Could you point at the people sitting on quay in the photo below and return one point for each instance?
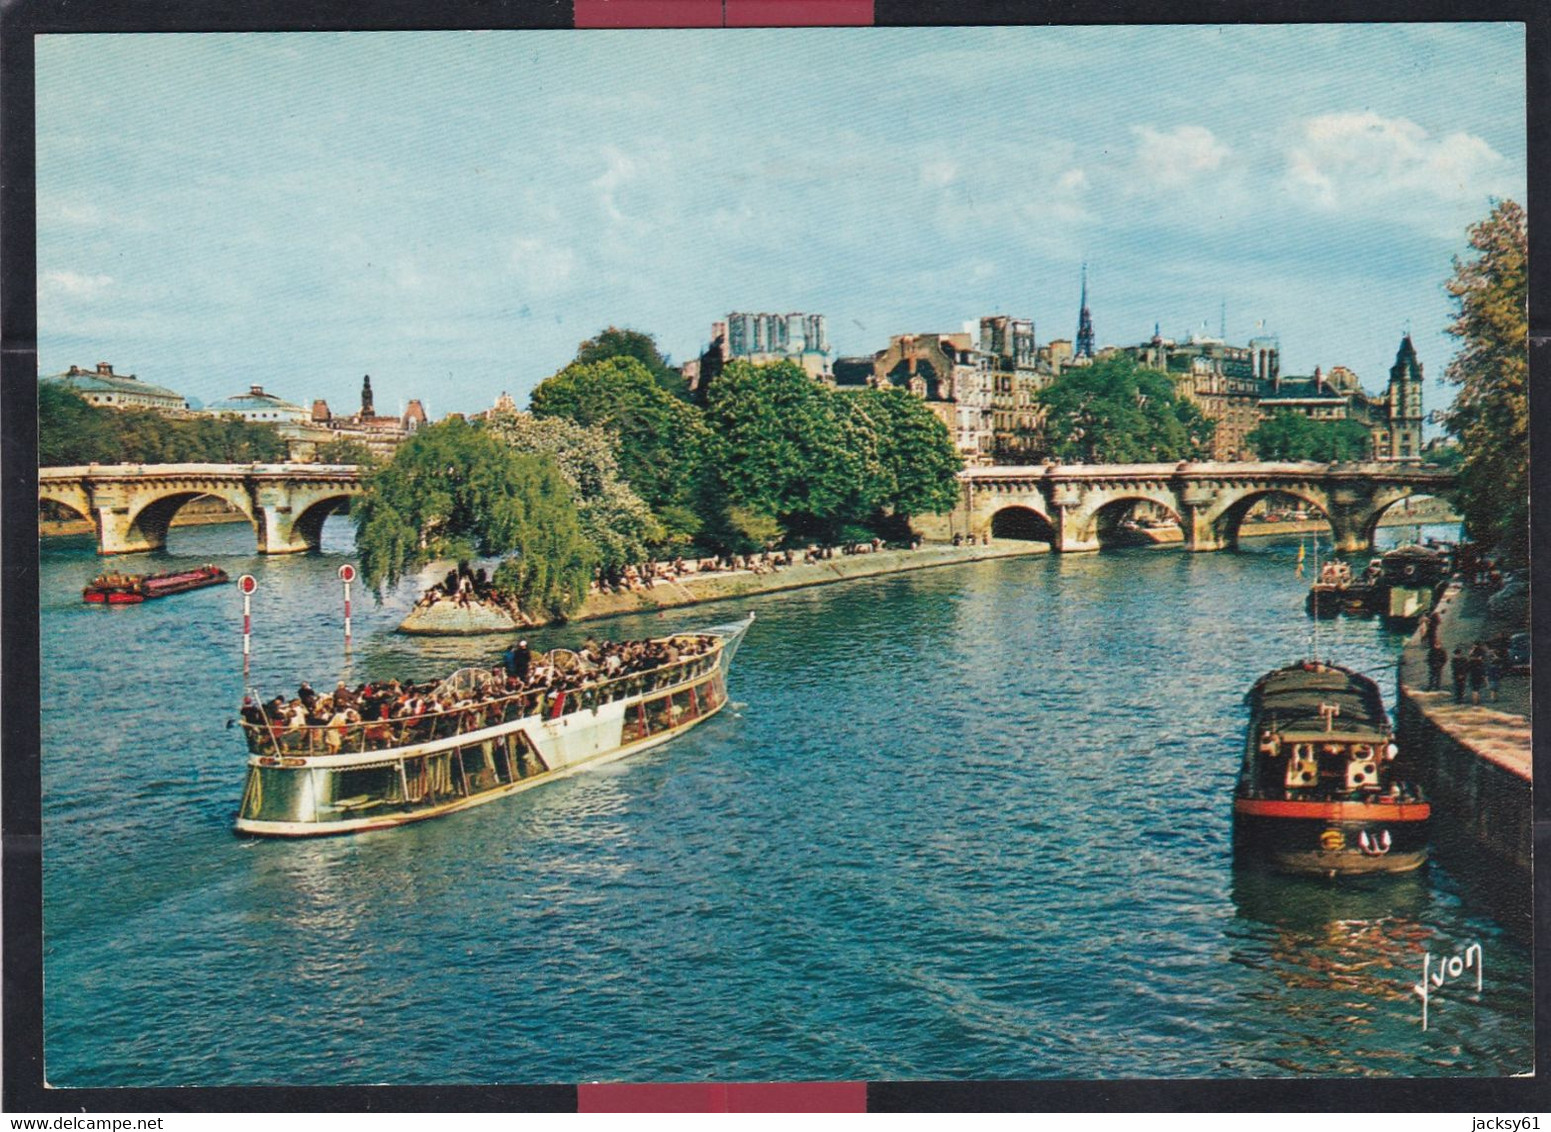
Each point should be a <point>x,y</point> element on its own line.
<point>377,715</point>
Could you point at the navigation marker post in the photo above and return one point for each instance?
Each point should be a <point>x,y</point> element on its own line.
<point>347,575</point>
<point>247,584</point>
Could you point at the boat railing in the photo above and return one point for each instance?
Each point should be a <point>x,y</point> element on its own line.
<point>284,740</point>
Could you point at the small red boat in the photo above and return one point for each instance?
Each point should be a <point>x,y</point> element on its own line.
<point>131,589</point>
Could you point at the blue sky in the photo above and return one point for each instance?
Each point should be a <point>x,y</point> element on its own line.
<point>453,212</point>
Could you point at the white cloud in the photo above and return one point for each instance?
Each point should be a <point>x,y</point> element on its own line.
<point>72,285</point>
<point>1178,157</point>
<point>543,268</point>
<point>1362,161</point>
<point>937,174</point>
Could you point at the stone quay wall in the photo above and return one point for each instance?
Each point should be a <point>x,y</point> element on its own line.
<point>1475,759</point>
<point>447,618</point>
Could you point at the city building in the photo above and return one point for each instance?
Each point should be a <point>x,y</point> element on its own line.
<point>381,434</point>
<point>953,378</point>
<point>259,407</point>
<point>1240,386</point>
<point>758,337</point>
<point>109,390</point>
<point>1017,417</point>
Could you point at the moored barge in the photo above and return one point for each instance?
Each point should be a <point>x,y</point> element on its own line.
<point>132,589</point>
<point>1319,792</point>
<point>306,781</point>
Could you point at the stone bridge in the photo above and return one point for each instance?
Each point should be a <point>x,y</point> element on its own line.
<point>133,504</point>
<point>1077,507</point>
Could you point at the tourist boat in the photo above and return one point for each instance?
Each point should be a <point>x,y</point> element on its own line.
<point>314,781</point>
<point>1319,792</point>
<point>132,589</point>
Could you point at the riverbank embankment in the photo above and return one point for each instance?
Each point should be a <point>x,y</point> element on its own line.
<point>447,618</point>
<point>1474,758</point>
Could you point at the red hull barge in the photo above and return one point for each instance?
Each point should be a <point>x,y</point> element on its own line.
<point>132,589</point>
<point>1319,792</point>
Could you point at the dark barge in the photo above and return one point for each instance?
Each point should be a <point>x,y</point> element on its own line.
<point>1319,792</point>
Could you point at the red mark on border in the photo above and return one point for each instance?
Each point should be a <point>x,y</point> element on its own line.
<point>721,13</point>
<point>809,1096</point>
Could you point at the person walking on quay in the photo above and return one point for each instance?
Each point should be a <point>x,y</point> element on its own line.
<point>1458,666</point>
<point>1494,672</point>
<point>1475,666</point>
<point>1437,660</point>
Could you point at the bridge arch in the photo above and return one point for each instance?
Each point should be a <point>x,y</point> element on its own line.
<point>71,496</point>
<point>307,526</point>
<point>1096,521</point>
<point>1019,521</point>
<point>1224,520</point>
<point>148,525</point>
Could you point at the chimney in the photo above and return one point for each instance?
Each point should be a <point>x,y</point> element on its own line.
<point>256,390</point>
<point>105,369</point>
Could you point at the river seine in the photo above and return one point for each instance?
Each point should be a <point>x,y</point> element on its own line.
<point>970,822</point>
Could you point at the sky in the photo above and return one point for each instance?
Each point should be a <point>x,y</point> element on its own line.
<point>453,212</point>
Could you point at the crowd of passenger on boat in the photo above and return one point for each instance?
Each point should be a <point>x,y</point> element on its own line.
<point>381,714</point>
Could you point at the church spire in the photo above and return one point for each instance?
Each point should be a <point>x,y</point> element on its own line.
<point>366,396</point>
<point>1083,348</point>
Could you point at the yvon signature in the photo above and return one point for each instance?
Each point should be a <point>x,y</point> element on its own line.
<point>1447,970</point>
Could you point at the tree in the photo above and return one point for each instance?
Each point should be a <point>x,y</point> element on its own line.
<point>454,491</point>
<point>343,450</point>
<point>617,343</point>
<point>617,521</point>
<point>1116,411</point>
<point>660,438</point>
<point>72,431</point>
<point>1490,414</point>
<point>917,458</point>
<point>1287,435</point>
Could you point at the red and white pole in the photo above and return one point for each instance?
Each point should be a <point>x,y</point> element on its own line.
<point>347,575</point>
<point>247,584</point>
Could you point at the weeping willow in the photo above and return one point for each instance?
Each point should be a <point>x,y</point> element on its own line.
<point>454,491</point>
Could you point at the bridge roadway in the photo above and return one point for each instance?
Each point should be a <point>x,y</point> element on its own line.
<point>1077,507</point>
<point>1072,507</point>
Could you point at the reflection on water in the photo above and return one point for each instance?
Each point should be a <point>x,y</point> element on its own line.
<point>967,822</point>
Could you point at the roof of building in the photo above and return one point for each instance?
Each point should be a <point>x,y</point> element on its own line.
<point>87,381</point>
<point>852,371</point>
<point>255,400</point>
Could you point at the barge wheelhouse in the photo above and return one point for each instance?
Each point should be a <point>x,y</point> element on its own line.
<point>1318,792</point>
<point>306,781</point>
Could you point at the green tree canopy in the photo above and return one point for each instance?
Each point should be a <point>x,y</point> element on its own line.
<point>454,490</point>
<point>617,343</point>
<point>1118,412</point>
<point>71,431</point>
<point>617,521</point>
<point>660,438</point>
<point>917,459</point>
<point>1490,414</point>
<point>780,449</point>
<point>344,450</point>
<point>1287,435</point>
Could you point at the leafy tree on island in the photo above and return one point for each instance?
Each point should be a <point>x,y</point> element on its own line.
<point>72,431</point>
<point>778,448</point>
<point>617,343</point>
<point>454,490</point>
<point>1490,414</point>
<point>660,438</point>
<point>344,450</point>
<point>1118,412</point>
<point>1287,435</point>
<point>917,460</point>
<point>617,521</point>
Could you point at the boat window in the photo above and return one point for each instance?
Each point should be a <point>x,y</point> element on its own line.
<point>277,794</point>
<point>657,714</point>
<point>479,767</point>
<point>357,792</point>
<point>635,724</point>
